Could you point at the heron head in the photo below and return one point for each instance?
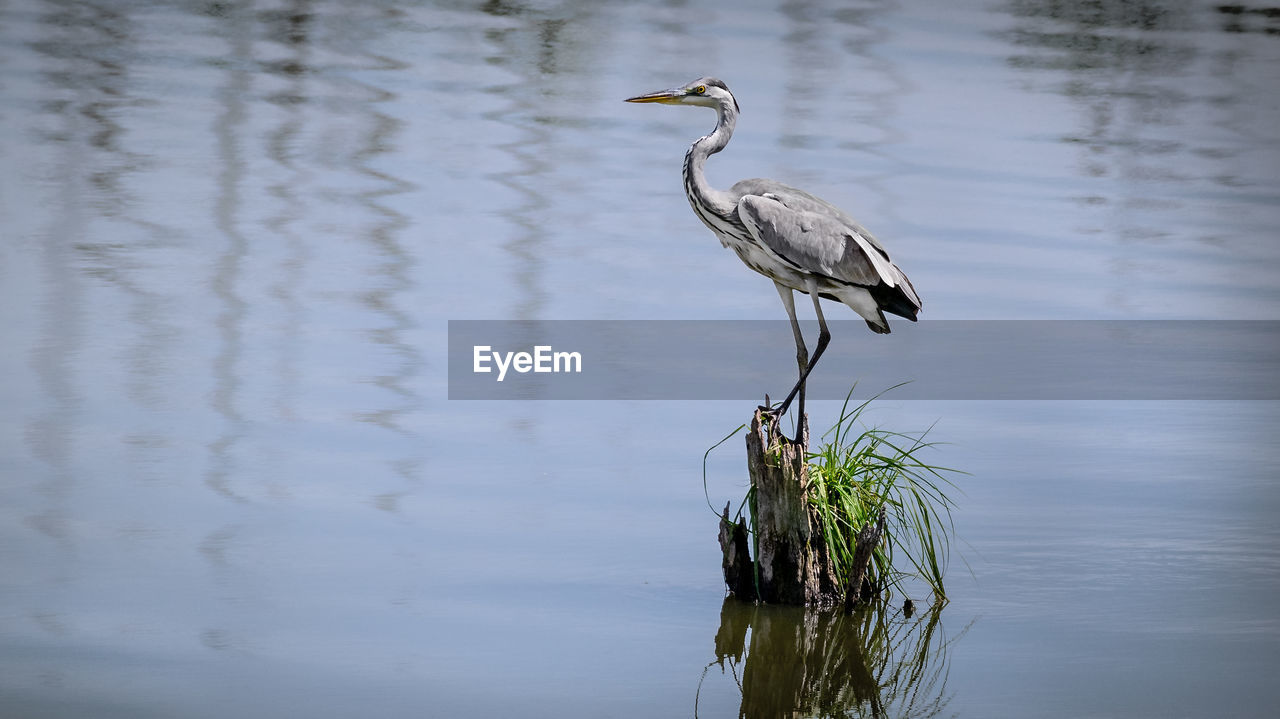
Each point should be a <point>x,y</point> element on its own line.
<point>705,91</point>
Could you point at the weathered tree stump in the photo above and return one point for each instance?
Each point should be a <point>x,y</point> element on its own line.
<point>859,587</point>
<point>739,573</point>
<point>794,564</point>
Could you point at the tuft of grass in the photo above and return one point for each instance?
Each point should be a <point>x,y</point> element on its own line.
<point>863,470</point>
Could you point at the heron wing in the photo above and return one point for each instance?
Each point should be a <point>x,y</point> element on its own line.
<point>801,232</point>
<point>802,201</point>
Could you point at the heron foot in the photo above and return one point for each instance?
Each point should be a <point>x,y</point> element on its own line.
<point>770,412</point>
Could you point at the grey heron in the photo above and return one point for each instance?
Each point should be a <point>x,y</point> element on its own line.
<point>802,243</point>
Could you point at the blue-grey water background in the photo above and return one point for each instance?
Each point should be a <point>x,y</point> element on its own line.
<point>233,234</point>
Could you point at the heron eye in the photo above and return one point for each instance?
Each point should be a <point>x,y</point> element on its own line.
<point>701,89</point>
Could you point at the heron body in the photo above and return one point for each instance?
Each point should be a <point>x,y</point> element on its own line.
<point>801,242</point>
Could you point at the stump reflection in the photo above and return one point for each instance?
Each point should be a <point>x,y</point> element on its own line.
<point>803,662</point>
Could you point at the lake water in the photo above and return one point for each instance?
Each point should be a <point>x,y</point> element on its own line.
<point>233,235</point>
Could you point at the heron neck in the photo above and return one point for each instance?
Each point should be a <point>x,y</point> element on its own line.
<point>696,160</point>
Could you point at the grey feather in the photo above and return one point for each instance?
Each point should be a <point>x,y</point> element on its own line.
<point>811,242</point>
<point>798,199</point>
<point>817,237</point>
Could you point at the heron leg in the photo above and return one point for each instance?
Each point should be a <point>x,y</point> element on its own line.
<point>824,338</point>
<point>802,352</point>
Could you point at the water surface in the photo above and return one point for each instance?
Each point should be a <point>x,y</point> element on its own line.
<point>233,235</point>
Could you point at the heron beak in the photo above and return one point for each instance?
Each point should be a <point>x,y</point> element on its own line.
<point>664,96</point>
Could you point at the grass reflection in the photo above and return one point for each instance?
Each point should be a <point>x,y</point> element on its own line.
<point>804,662</point>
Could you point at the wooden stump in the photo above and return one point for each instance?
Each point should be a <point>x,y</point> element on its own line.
<point>859,588</point>
<point>794,564</point>
<point>739,573</point>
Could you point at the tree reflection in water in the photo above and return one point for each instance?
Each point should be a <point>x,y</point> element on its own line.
<point>802,662</point>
